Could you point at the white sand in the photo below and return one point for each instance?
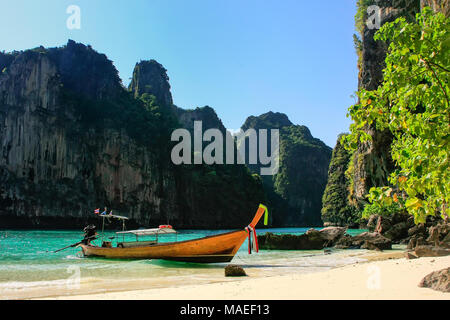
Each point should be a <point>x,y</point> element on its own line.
<point>388,279</point>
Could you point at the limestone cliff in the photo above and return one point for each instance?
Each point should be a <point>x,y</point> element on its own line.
<point>206,115</point>
<point>437,6</point>
<point>372,163</point>
<point>295,193</point>
<point>151,77</point>
<point>73,139</point>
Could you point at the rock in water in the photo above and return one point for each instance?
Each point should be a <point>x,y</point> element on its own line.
<point>438,280</point>
<point>333,234</point>
<point>317,240</point>
<point>372,241</point>
<point>345,242</point>
<point>311,240</point>
<point>233,270</point>
<point>366,240</point>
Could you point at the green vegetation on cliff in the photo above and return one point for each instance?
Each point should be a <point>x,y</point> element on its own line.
<point>90,142</point>
<point>214,191</point>
<point>413,104</point>
<point>150,77</point>
<point>140,118</point>
<point>336,209</point>
<point>295,192</point>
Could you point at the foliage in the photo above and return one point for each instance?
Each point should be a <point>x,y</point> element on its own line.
<point>140,118</point>
<point>295,192</point>
<point>272,120</point>
<point>302,175</point>
<point>335,206</point>
<point>6,59</point>
<point>382,210</point>
<point>361,14</point>
<point>413,104</point>
<point>405,8</point>
<point>357,42</point>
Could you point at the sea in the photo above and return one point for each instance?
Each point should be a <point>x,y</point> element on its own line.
<point>29,268</point>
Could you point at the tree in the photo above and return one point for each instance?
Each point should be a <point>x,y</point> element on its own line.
<point>413,103</point>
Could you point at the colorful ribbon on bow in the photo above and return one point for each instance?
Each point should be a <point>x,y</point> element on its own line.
<point>252,244</point>
<point>251,228</point>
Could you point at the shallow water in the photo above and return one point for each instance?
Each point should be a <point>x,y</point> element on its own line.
<point>29,268</point>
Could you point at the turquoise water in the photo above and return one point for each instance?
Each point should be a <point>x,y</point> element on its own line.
<point>29,268</point>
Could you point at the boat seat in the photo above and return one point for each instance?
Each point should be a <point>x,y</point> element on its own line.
<point>134,244</point>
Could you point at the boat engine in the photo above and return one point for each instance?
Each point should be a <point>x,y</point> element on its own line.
<point>90,233</point>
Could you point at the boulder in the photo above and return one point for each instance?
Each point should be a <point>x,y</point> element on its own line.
<point>415,241</point>
<point>432,221</point>
<point>384,224</point>
<point>431,251</point>
<point>446,241</point>
<point>332,234</point>
<point>438,280</point>
<point>404,241</point>
<point>399,217</point>
<point>366,240</point>
<point>420,242</point>
<point>410,255</point>
<point>317,240</point>
<point>370,246</point>
<point>439,235</point>
<point>233,270</point>
<point>417,230</point>
<point>397,232</point>
<point>345,242</point>
<point>372,240</point>
<point>311,240</point>
<point>372,223</point>
<point>411,243</point>
<point>394,227</point>
<point>410,221</point>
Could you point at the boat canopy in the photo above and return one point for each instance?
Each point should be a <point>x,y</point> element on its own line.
<point>148,232</point>
<point>113,216</point>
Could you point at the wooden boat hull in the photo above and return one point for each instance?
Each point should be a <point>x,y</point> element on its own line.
<point>212,249</point>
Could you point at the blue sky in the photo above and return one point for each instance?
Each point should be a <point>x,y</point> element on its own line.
<point>241,57</point>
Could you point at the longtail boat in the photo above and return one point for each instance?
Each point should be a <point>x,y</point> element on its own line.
<point>210,249</point>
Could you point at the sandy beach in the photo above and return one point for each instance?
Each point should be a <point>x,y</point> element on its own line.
<point>382,276</point>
